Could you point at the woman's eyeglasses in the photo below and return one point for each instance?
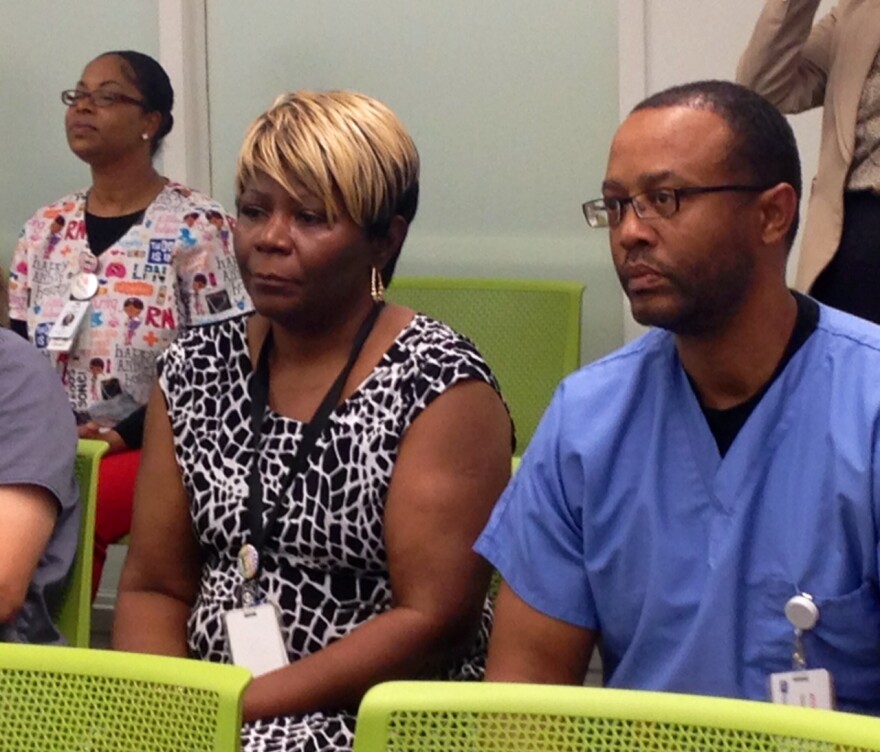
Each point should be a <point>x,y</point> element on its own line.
<point>99,98</point>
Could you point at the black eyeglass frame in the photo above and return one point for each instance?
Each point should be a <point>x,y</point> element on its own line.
<point>71,97</point>
<point>593,208</point>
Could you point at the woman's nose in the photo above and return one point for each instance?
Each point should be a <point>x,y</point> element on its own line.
<point>277,233</point>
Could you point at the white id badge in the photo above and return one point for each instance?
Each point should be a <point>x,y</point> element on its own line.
<point>808,689</point>
<point>254,638</point>
<point>67,325</point>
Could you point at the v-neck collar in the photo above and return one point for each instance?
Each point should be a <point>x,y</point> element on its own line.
<point>727,479</point>
<point>80,214</point>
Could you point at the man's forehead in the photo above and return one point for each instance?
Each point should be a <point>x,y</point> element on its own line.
<point>677,140</point>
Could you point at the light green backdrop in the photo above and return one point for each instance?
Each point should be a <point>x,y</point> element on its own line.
<point>44,45</point>
<point>512,104</point>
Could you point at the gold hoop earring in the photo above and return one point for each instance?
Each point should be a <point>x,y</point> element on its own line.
<point>377,289</point>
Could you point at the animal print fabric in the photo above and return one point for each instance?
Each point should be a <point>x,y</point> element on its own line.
<point>325,560</point>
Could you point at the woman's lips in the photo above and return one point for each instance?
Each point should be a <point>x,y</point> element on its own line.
<point>270,282</point>
<point>77,128</point>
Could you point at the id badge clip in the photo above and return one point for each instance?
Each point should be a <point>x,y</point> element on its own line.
<point>253,631</point>
<point>83,288</point>
<point>809,688</point>
<point>66,328</point>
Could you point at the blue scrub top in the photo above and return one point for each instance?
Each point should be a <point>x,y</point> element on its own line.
<point>624,518</point>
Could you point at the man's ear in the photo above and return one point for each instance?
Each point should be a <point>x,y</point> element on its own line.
<point>779,206</point>
<point>388,245</point>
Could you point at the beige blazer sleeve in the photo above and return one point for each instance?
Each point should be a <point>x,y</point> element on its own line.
<point>788,58</point>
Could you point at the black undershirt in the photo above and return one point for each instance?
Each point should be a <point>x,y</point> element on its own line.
<point>726,424</point>
<point>102,232</point>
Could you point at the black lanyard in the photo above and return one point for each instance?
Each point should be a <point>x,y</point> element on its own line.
<point>259,394</point>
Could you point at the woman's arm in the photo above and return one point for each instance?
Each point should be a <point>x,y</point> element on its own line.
<point>161,572</point>
<point>788,58</point>
<point>454,461</point>
<point>16,287</point>
<point>127,434</point>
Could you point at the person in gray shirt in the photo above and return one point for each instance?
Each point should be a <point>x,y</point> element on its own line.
<point>39,500</point>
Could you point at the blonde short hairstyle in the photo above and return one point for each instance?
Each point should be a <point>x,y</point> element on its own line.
<point>337,145</point>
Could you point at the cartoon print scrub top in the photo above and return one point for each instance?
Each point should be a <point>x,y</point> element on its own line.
<point>173,269</point>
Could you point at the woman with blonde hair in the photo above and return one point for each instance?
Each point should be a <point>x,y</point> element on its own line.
<point>315,474</point>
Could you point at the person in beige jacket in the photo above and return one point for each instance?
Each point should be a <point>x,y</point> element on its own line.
<point>797,65</point>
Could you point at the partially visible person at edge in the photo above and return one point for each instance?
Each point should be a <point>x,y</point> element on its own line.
<point>730,465</point>
<point>132,243</point>
<point>4,300</point>
<point>374,467</point>
<point>834,64</point>
<point>39,509</point>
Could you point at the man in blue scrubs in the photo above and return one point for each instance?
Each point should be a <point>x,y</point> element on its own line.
<point>682,490</point>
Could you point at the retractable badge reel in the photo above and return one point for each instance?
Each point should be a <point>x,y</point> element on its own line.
<point>83,287</point>
<point>812,688</point>
<point>248,566</point>
<point>253,632</point>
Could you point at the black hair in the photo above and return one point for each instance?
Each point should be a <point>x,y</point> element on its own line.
<point>406,208</point>
<point>136,302</point>
<point>155,87</point>
<point>763,141</point>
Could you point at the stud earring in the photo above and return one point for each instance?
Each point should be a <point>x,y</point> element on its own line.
<point>145,136</point>
<point>377,289</point>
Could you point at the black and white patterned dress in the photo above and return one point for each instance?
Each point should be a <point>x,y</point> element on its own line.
<point>325,564</point>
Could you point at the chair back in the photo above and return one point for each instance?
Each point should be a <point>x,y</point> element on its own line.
<point>529,332</point>
<point>74,618</point>
<point>61,698</point>
<point>489,717</point>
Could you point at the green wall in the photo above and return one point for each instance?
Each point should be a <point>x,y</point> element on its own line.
<point>511,103</point>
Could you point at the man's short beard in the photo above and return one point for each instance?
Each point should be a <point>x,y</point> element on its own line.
<point>703,312</point>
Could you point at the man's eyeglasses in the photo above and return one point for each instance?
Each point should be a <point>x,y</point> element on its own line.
<point>658,203</point>
<point>99,98</point>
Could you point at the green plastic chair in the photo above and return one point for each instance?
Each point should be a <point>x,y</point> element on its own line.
<point>55,699</point>
<point>74,617</point>
<point>529,331</point>
<point>489,717</point>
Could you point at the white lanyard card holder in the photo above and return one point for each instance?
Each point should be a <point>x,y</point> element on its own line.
<point>67,325</point>
<point>808,689</point>
<point>254,637</point>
